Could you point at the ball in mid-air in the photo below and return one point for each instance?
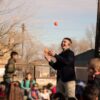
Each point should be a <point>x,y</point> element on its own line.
<point>55,23</point>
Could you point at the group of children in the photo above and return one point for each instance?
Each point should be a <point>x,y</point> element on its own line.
<point>27,89</point>
<point>32,91</point>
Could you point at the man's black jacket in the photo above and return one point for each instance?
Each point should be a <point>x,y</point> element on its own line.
<point>65,65</point>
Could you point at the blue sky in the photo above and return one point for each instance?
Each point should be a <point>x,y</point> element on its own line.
<point>73,16</point>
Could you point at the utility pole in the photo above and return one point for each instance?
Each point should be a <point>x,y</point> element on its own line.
<point>97,39</point>
<point>23,30</point>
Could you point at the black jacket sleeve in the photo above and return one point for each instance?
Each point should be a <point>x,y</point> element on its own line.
<point>67,59</point>
<point>53,65</point>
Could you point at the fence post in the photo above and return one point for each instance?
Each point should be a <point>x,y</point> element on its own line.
<point>34,72</point>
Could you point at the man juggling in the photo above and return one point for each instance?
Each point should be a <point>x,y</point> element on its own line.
<point>65,68</point>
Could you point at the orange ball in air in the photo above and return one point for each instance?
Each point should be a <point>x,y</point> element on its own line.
<point>55,23</point>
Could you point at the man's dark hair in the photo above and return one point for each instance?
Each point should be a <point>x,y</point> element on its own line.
<point>69,39</point>
<point>90,93</point>
<point>13,53</point>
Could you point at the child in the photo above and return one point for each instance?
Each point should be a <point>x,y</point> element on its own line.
<point>91,93</point>
<point>27,83</point>
<point>79,89</point>
<point>94,72</point>
<point>51,88</point>
<point>34,93</point>
<point>45,95</point>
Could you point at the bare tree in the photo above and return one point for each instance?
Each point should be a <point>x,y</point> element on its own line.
<point>32,49</point>
<point>87,43</point>
<point>75,46</point>
<point>29,47</point>
<point>4,7</point>
<point>83,45</point>
<point>90,36</point>
<point>8,38</point>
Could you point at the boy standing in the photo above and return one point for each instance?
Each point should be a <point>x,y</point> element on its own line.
<point>10,70</point>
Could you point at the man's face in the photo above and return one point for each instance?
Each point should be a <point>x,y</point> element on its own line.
<point>15,57</point>
<point>65,44</point>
